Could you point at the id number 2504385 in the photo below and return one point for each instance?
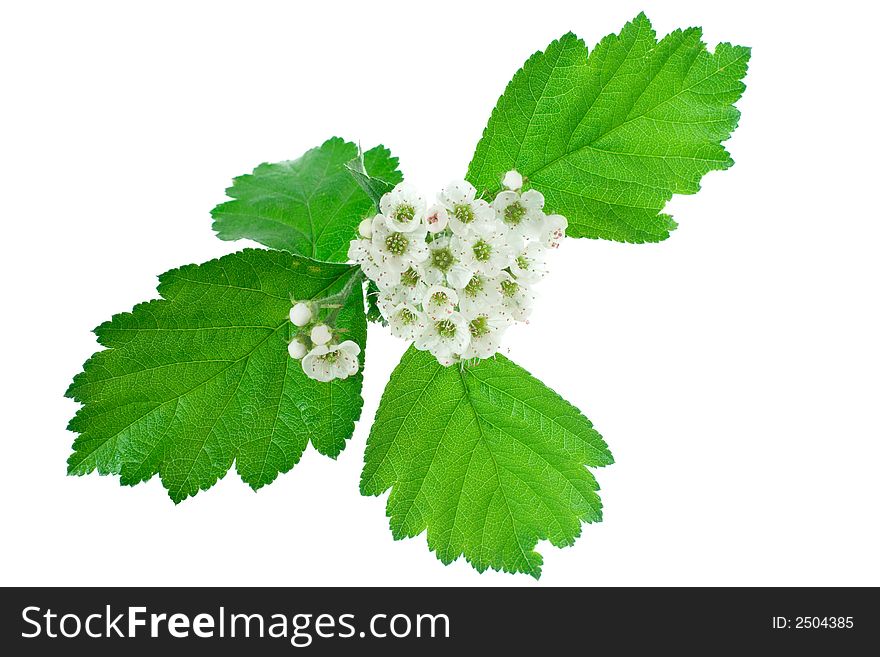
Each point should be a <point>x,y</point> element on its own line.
<point>813,622</point>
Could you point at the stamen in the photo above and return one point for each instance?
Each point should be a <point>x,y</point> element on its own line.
<point>464,213</point>
<point>509,288</point>
<point>396,243</point>
<point>482,250</point>
<point>410,277</point>
<point>406,316</point>
<point>514,213</point>
<point>445,328</point>
<point>474,286</point>
<point>479,326</point>
<point>404,213</point>
<point>442,259</point>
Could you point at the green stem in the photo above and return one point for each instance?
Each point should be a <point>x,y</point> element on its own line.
<point>339,300</point>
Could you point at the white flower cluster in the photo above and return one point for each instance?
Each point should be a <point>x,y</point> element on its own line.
<point>322,358</point>
<point>455,275</point>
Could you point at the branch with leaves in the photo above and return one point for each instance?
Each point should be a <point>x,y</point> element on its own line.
<point>247,359</point>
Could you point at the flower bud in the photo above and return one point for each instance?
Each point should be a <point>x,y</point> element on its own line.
<point>297,349</point>
<point>365,228</point>
<point>321,334</point>
<point>512,180</point>
<point>437,218</point>
<point>300,314</point>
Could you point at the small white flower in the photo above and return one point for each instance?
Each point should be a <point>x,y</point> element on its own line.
<point>486,331</point>
<point>297,348</point>
<point>403,207</point>
<point>397,251</point>
<point>338,361</point>
<point>439,302</point>
<point>412,288</point>
<point>361,253</point>
<point>512,180</point>
<point>365,228</point>
<point>516,298</point>
<point>446,338</point>
<point>485,254</point>
<point>480,293</point>
<point>321,334</point>
<point>553,230</point>
<point>436,218</point>
<point>529,265</point>
<point>406,321</point>
<point>300,314</point>
<point>466,212</point>
<point>521,214</point>
<point>439,262</point>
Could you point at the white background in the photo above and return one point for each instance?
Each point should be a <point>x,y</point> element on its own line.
<point>733,369</point>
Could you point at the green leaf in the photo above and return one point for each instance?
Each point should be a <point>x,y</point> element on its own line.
<point>200,378</point>
<point>372,296</point>
<point>310,206</point>
<point>374,187</point>
<point>487,458</point>
<point>610,138</point>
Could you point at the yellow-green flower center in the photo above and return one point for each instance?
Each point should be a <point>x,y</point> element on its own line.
<point>396,243</point>
<point>445,328</point>
<point>410,277</point>
<point>474,286</point>
<point>482,250</point>
<point>514,213</point>
<point>442,259</point>
<point>406,316</point>
<point>509,288</point>
<point>404,213</point>
<point>464,213</point>
<point>330,357</point>
<point>479,326</point>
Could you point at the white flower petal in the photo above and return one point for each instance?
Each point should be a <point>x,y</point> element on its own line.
<point>457,192</point>
<point>553,230</point>
<point>350,347</point>
<point>459,275</point>
<point>532,199</point>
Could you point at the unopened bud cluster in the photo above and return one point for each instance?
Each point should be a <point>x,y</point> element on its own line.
<point>455,275</point>
<point>323,358</point>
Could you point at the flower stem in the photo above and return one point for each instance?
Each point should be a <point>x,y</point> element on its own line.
<point>336,302</point>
